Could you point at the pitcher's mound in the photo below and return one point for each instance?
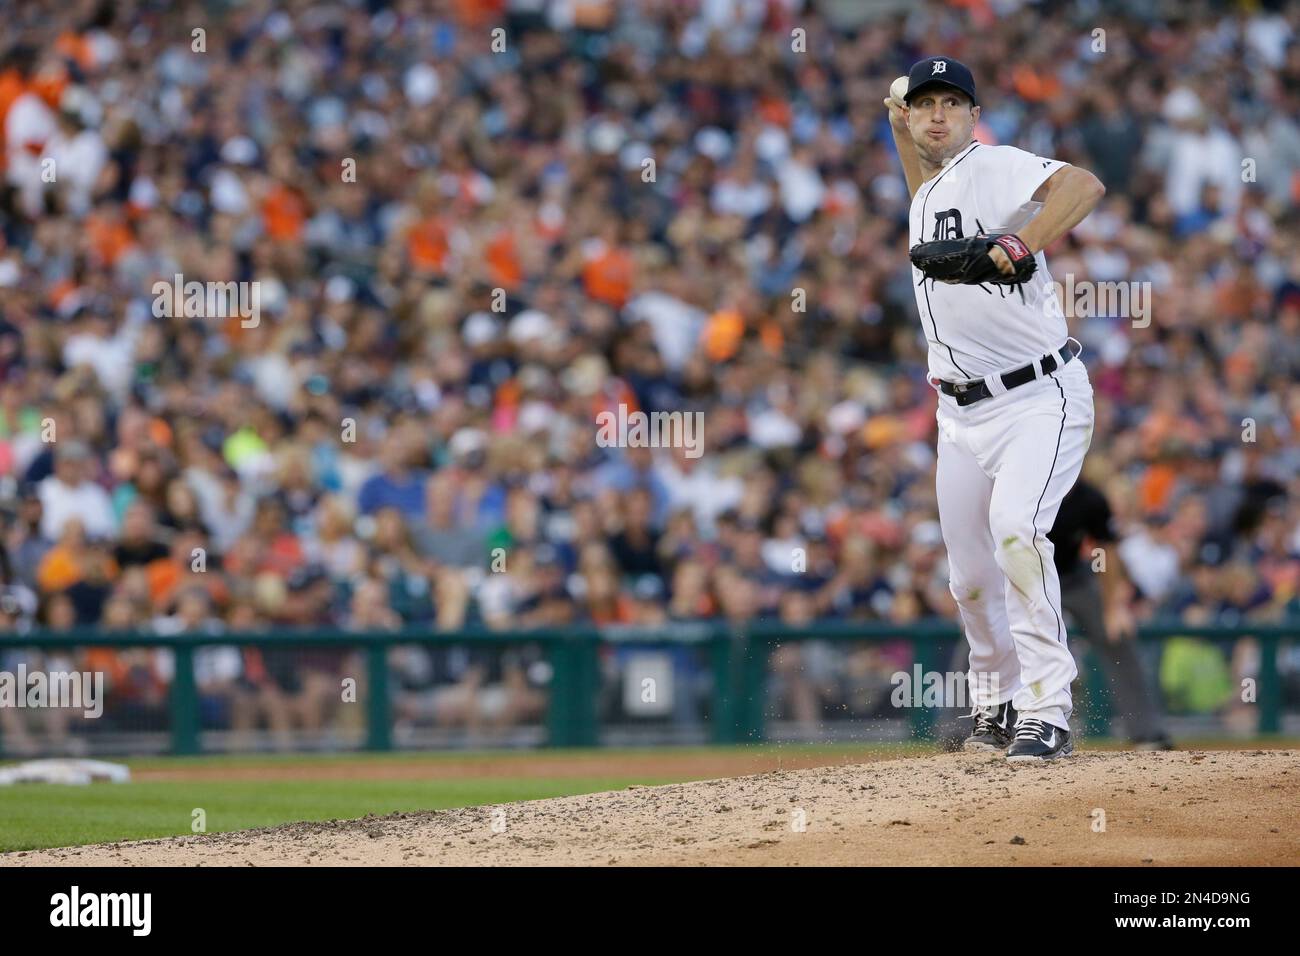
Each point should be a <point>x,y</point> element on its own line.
<point>1182,808</point>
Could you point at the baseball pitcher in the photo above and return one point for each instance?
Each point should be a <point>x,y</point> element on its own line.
<point>1015,405</point>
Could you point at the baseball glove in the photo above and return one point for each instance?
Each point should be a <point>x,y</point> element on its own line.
<point>967,261</point>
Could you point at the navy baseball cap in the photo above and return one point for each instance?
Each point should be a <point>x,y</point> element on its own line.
<point>940,71</point>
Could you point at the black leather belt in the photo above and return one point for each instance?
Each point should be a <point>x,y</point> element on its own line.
<point>968,393</point>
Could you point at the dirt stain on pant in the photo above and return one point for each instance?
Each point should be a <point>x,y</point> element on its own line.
<point>1022,566</point>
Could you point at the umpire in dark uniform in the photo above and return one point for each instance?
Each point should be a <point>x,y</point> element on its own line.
<point>1097,604</point>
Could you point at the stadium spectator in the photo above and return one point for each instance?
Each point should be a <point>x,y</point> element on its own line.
<point>72,494</point>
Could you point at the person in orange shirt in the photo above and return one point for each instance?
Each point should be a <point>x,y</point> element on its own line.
<point>479,13</point>
<point>502,257</point>
<point>425,238</point>
<point>426,246</point>
<point>65,564</point>
<point>168,575</point>
<point>1156,486</point>
<point>723,334</point>
<point>608,273</point>
<point>107,234</point>
<point>12,86</point>
<point>284,213</point>
<point>20,74</point>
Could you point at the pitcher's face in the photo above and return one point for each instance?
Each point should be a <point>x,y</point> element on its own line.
<point>942,121</point>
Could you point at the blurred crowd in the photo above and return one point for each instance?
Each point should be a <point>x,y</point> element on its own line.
<point>469,244</point>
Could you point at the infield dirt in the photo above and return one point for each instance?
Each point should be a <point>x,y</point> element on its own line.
<point>1182,808</point>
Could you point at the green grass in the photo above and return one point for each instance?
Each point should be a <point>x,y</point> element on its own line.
<point>35,816</point>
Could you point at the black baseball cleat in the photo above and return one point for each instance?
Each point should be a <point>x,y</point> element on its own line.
<point>1037,740</point>
<point>993,728</point>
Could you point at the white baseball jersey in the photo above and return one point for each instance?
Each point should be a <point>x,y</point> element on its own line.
<point>974,331</point>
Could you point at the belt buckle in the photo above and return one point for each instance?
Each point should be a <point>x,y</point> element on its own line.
<point>961,389</point>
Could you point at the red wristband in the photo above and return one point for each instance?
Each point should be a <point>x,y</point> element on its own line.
<point>1013,246</point>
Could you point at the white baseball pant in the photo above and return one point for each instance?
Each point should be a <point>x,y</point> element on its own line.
<point>1005,463</point>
